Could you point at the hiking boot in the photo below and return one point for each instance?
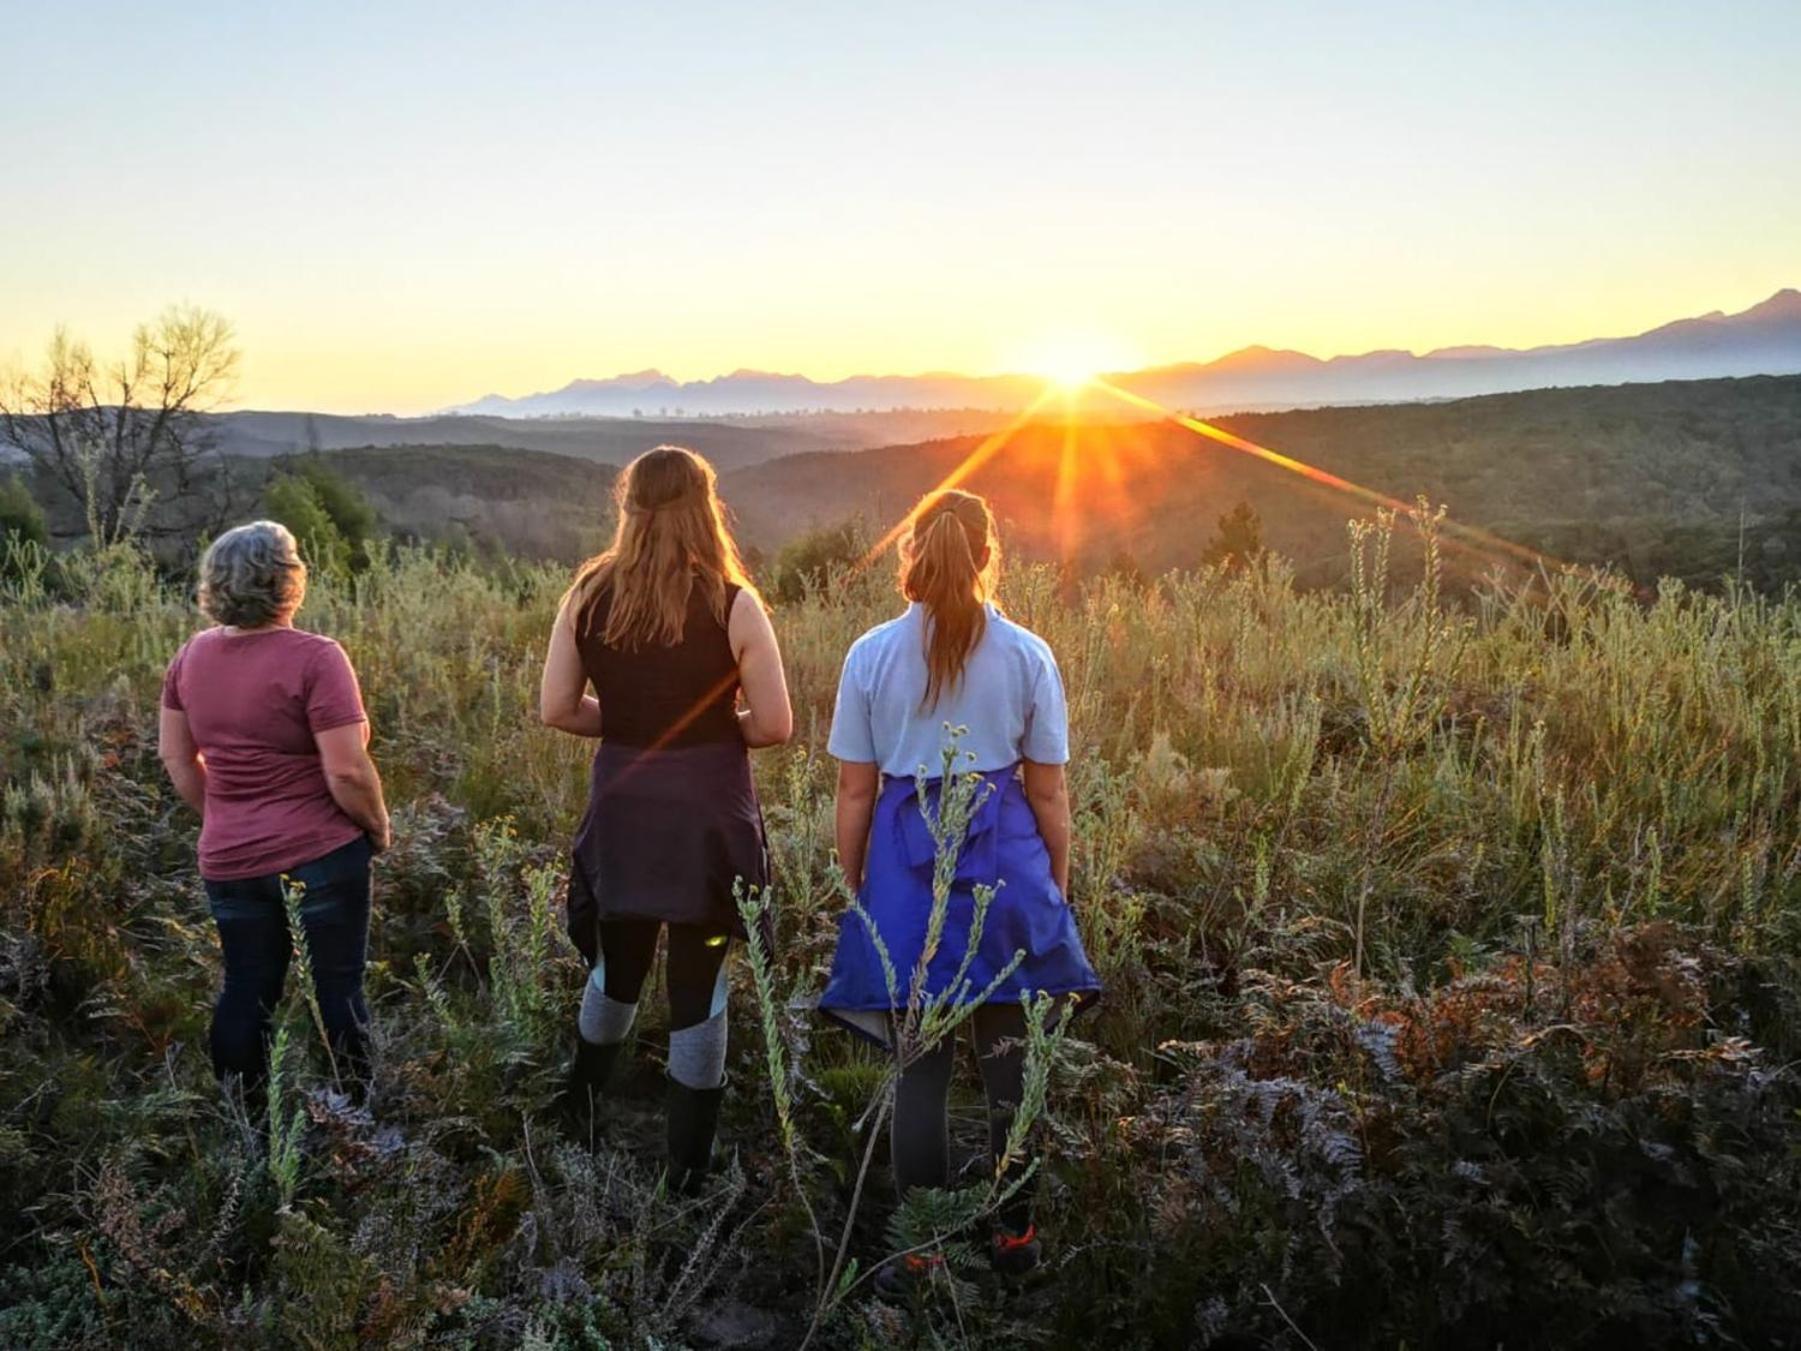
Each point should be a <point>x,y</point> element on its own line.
<point>1015,1254</point>
<point>693,1121</point>
<point>589,1070</point>
<point>897,1279</point>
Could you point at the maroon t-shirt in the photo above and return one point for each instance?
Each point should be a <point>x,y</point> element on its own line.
<point>254,703</point>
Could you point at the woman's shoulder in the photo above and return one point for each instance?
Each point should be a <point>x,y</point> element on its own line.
<point>738,596</point>
<point>311,643</point>
<point>879,637</point>
<point>1026,642</point>
<point>314,654</point>
<point>588,607</point>
<point>198,639</point>
<point>201,640</point>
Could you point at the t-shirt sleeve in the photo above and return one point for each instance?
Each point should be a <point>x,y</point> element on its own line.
<point>1046,741</point>
<point>172,683</point>
<point>852,739</point>
<point>333,698</point>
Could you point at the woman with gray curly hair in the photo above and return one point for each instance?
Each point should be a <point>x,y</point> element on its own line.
<point>264,735</point>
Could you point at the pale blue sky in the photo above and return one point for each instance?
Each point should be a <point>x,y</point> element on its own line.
<point>407,205</point>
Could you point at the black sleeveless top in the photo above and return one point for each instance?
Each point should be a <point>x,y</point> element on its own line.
<point>664,696</point>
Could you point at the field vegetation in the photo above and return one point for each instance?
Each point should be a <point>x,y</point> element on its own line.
<point>1451,950</point>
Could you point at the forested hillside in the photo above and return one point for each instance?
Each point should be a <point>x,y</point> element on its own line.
<point>729,442</point>
<point>532,504</point>
<point>1657,479</point>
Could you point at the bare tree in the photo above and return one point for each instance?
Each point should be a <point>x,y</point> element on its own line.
<point>119,437</point>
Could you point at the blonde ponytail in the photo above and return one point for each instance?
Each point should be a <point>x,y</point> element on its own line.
<point>949,561</point>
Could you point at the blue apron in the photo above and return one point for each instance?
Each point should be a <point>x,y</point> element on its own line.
<point>1027,915</point>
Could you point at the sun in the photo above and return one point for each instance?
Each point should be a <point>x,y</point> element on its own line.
<point>1068,373</point>
<point>1069,361</point>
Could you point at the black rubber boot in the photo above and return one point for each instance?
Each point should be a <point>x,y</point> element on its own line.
<point>1014,1251</point>
<point>899,1279</point>
<point>589,1071</point>
<point>693,1120</point>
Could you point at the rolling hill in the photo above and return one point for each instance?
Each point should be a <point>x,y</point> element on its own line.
<point>1690,479</point>
<point>1655,478</point>
<point>531,503</point>
<point>728,442</point>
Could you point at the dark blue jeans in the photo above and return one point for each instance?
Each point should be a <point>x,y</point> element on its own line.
<point>253,934</point>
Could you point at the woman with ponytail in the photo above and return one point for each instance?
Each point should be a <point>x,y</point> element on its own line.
<point>666,631</point>
<point>954,661</point>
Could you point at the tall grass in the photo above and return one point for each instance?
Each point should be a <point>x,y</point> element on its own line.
<point>1428,928</point>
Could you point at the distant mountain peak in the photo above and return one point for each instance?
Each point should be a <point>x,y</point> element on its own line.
<point>1259,357</point>
<point>1466,352</point>
<point>1785,304</point>
<point>650,378</point>
<point>1762,340</point>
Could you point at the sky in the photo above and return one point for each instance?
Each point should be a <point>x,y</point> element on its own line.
<point>406,206</point>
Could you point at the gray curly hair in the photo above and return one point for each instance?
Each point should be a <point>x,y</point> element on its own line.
<point>252,575</point>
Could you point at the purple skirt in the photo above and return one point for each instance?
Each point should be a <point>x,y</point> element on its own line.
<point>1027,917</point>
<point>666,836</point>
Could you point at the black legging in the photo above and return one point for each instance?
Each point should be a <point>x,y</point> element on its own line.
<point>629,946</point>
<point>919,1138</point>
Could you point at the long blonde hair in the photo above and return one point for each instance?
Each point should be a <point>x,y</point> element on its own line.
<point>950,562</point>
<point>671,537</point>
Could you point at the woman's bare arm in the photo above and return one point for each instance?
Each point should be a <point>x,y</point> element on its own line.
<point>182,758</point>
<point>563,699</point>
<point>352,778</point>
<point>1047,789</point>
<point>855,810</point>
<point>766,719</point>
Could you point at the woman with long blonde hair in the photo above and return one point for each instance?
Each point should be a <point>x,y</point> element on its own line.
<point>655,643</point>
<point>954,676</point>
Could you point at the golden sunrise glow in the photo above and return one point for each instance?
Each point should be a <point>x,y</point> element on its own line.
<point>1467,538</point>
<point>1091,461</point>
<point>1070,361</point>
<point>1070,376</point>
<point>976,458</point>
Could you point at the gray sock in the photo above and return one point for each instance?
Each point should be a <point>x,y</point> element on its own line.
<point>603,1021</point>
<point>697,1054</point>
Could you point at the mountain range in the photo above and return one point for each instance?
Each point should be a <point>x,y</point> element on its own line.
<point>1762,340</point>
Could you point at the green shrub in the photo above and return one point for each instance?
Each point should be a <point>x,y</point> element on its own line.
<point>294,501</point>
<point>816,560</point>
<point>333,521</point>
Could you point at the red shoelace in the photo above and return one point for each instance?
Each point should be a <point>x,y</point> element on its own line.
<point>1005,1242</point>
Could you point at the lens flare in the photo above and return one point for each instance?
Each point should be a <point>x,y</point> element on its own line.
<point>1457,534</point>
<point>971,462</point>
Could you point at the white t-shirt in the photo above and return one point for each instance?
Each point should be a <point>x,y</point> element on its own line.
<point>1010,701</point>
